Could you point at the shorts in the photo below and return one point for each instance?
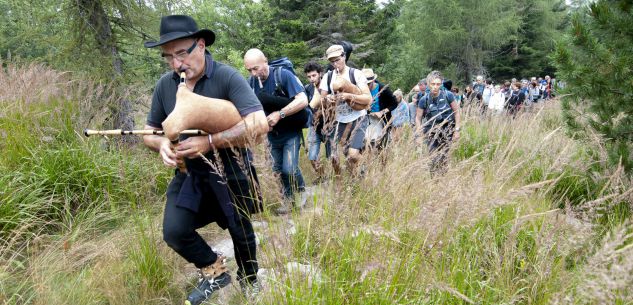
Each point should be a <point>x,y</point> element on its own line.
<point>350,135</point>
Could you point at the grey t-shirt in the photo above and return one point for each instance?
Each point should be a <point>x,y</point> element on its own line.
<point>219,81</point>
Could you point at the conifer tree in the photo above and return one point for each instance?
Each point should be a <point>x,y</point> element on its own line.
<point>452,36</point>
<point>595,62</point>
<point>526,54</point>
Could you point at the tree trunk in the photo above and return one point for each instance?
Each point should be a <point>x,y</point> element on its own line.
<point>95,17</point>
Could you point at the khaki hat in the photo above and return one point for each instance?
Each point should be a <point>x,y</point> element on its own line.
<point>334,51</point>
<point>369,75</point>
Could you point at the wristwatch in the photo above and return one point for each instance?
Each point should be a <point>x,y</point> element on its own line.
<point>282,114</point>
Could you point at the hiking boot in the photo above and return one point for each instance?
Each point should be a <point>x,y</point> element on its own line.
<point>319,180</point>
<point>206,287</point>
<point>302,199</point>
<point>210,279</point>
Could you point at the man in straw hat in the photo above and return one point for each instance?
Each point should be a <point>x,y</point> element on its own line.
<point>351,120</point>
<point>383,103</point>
<point>225,195</point>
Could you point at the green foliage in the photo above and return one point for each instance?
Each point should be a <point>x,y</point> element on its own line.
<point>305,29</point>
<point>153,272</point>
<point>595,61</point>
<point>475,142</point>
<point>53,175</point>
<point>479,142</point>
<point>453,32</point>
<point>527,54</point>
<point>499,243</point>
<point>575,187</point>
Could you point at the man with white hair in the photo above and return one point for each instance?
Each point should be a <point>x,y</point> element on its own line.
<point>442,121</point>
<point>479,86</point>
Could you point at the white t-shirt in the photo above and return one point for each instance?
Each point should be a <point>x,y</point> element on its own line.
<point>497,101</point>
<point>345,113</point>
<point>487,94</point>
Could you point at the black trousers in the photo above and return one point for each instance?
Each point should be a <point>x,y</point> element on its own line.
<point>439,139</point>
<point>180,225</point>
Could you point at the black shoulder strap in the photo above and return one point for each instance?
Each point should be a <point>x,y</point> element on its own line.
<point>277,78</point>
<point>425,102</point>
<point>329,82</point>
<point>329,79</point>
<point>425,98</point>
<point>351,76</point>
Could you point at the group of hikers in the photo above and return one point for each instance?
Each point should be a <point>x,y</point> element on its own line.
<point>346,110</point>
<point>510,96</point>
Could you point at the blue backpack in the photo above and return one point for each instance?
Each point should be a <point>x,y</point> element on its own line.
<point>277,65</point>
<point>283,62</point>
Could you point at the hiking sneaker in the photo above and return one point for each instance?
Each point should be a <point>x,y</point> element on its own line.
<point>206,287</point>
<point>301,200</point>
<point>283,209</point>
<point>250,290</point>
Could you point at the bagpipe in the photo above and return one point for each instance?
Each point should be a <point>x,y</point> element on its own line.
<point>193,115</point>
<point>327,104</point>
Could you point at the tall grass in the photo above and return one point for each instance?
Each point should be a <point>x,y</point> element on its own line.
<point>507,223</point>
<point>58,189</point>
<point>523,215</point>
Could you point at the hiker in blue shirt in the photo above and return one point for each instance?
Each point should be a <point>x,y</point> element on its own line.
<point>442,121</point>
<point>284,101</point>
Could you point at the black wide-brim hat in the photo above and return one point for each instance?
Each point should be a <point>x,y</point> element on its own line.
<point>175,27</point>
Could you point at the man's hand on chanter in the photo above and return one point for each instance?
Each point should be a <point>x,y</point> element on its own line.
<point>167,154</point>
<point>344,96</point>
<point>190,147</point>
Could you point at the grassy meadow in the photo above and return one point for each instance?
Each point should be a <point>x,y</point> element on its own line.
<point>524,215</point>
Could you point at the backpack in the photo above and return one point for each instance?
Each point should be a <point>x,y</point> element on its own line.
<point>437,113</point>
<point>304,116</point>
<point>329,79</point>
<point>277,65</point>
<point>283,62</point>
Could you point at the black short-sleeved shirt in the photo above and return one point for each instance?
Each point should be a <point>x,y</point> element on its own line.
<point>219,81</point>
